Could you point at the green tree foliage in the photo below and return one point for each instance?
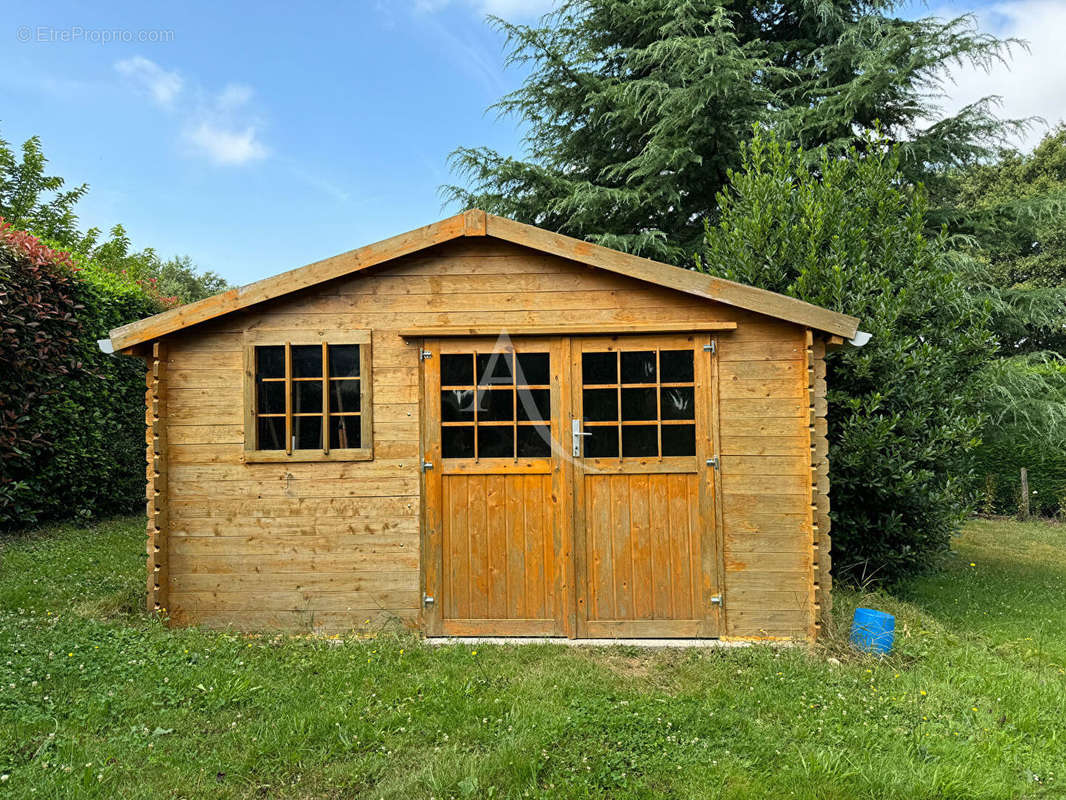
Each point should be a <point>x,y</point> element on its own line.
<point>634,112</point>
<point>71,417</point>
<point>32,201</point>
<point>850,234</point>
<point>176,280</point>
<point>1013,213</point>
<point>1013,209</point>
<point>24,194</point>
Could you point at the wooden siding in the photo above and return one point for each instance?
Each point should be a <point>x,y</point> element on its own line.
<point>643,547</point>
<point>822,579</point>
<point>156,473</point>
<point>333,546</point>
<point>498,571</point>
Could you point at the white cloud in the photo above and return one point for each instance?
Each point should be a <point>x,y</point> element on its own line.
<point>220,126</point>
<point>224,129</point>
<point>162,85</point>
<point>1032,83</point>
<point>234,95</point>
<point>226,146</point>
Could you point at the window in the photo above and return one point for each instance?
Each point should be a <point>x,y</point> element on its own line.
<point>638,403</point>
<point>495,405</point>
<point>308,398</point>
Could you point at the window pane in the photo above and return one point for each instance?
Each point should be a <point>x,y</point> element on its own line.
<point>344,361</point>
<point>494,369</point>
<point>676,366</point>
<point>599,405</point>
<point>639,404</point>
<point>308,432</point>
<point>495,441</point>
<point>638,367</point>
<point>271,433</point>
<point>345,432</point>
<point>270,362</point>
<point>271,397</point>
<point>307,397</point>
<point>344,396</point>
<point>457,442</point>
<point>678,402</point>
<point>640,440</point>
<point>457,370</point>
<point>534,404</point>
<point>307,361</point>
<point>534,441</point>
<point>601,442</point>
<point>679,440</point>
<point>533,368</point>
<point>457,405</point>
<point>495,405</point>
<point>599,368</point>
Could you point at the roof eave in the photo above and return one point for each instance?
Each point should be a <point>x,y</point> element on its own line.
<point>475,222</point>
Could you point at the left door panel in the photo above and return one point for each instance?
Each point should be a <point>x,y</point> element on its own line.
<point>490,537</point>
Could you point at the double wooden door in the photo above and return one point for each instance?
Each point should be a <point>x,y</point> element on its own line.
<point>570,487</point>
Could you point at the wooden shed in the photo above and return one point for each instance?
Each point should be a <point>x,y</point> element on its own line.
<point>483,428</point>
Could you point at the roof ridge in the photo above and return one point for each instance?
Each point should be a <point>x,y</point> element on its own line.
<point>475,222</point>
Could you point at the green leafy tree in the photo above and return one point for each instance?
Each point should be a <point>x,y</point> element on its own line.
<point>1012,212</point>
<point>32,201</point>
<point>634,112</point>
<point>851,234</point>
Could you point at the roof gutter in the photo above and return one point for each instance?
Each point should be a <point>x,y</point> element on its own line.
<point>860,338</point>
<point>105,346</point>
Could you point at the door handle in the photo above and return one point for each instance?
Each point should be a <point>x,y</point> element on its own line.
<point>575,437</point>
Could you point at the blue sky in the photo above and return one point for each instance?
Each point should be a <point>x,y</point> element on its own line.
<point>256,137</point>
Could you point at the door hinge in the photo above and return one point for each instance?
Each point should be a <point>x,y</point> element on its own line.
<point>427,600</point>
<point>711,348</point>
<point>716,600</point>
<point>427,465</point>
<point>713,462</point>
<point>425,355</point>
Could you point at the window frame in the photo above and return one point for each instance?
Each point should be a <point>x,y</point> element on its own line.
<point>303,337</point>
<point>477,386</point>
<point>618,349</point>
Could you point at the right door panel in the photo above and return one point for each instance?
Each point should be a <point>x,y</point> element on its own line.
<point>647,558</point>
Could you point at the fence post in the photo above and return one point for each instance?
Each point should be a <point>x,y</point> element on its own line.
<point>1023,507</point>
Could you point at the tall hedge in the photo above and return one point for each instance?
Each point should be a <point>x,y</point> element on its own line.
<point>71,417</point>
<point>904,413</point>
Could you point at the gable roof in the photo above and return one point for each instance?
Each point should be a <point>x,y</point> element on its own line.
<point>478,223</point>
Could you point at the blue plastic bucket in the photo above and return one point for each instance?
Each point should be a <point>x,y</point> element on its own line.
<point>873,631</point>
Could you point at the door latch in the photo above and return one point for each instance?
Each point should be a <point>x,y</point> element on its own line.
<point>427,465</point>
<point>575,436</point>
<point>716,600</point>
<point>427,600</point>
<point>713,462</point>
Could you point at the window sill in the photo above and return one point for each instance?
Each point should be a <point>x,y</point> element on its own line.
<point>280,456</point>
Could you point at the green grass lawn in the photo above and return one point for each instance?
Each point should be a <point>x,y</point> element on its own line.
<point>96,700</point>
